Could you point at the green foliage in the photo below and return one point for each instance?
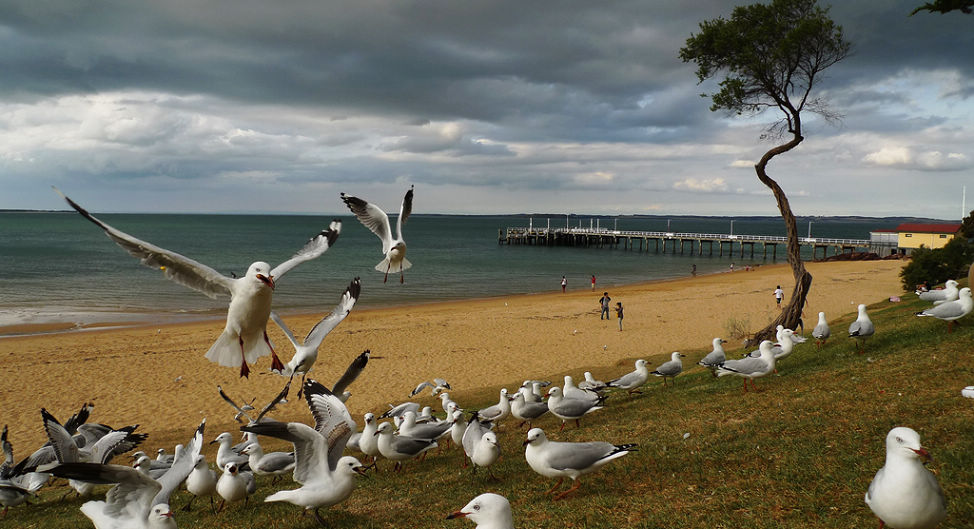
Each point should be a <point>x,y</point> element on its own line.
<point>934,266</point>
<point>772,55</point>
<point>967,226</point>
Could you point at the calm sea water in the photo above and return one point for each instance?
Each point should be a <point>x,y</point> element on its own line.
<point>60,267</point>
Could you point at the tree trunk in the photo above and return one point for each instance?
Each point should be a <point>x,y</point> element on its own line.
<point>790,313</point>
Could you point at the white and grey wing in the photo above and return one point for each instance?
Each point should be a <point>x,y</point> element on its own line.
<point>310,450</point>
<point>625,380</point>
<point>132,495</point>
<point>285,329</point>
<point>352,372</point>
<point>572,407</point>
<point>225,397</point>
<point>332,419</point>
<point>670,369</point>
<point>410,445</point>
<point>65,451</point>
<point>420,387</point>
<point>182,466</point>
<point>329,322</point>
<point>576,456</point>
<point>821,331</point>
<point>275,401</point>
<point>746,366</point>
<point>315,246</point>
<point>714,358</point>
<point>372,218</point>
<point>176,267</point>
<point>948,310</point>
<point>404,211</point>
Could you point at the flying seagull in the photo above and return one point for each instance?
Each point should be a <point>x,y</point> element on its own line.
<point>376,220</point>
<point>244,339</point>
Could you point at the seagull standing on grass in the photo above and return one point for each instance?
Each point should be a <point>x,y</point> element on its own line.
<point>632,381</point>
<point>560,460</point>
<point>567,409</point>
<point>201,482</point>
<point>750,367</point>
<point>488,511</point>
<point>715,357</point>
<point>950,311</point>
<point>821,332</point>
<point>244,339</point>
<point>305,353</point>
<point>904,494</point>
<point>861,329</point>
<point>376,220</point>
<point>672,368</point>
<point>948,293</point>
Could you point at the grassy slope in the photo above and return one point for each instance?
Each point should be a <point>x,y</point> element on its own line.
<point>798,454</point>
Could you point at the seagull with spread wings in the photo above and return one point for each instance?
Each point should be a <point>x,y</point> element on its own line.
<point>325,476</point>
<point>244,339</point>
<point>376,220</point>
<point>137,501</point>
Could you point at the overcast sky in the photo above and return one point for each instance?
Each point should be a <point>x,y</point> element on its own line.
<point>487,106</point>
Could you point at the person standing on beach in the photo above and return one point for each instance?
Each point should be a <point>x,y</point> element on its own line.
<point>693,270</point>
<point>778,294</point>
<point>593,282</point>
<point>564,284</point>
<point>619,313</point>
<point>604,301</point>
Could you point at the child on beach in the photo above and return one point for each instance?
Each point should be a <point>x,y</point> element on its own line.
<point>778,294</point>
<point>564,283</point>
<point>619,313</point>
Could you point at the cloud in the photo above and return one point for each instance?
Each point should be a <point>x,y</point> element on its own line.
<point>709,185</point>
<point>908,158</point>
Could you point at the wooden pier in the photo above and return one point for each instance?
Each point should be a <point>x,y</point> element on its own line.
<point>674,242</point>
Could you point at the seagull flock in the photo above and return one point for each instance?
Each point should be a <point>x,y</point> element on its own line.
<point>903,493</point>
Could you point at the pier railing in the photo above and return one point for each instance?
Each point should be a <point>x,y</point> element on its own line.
<point>601,237</point>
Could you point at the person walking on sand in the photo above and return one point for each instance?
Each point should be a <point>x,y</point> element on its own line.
<point>593,282</point>
<point>564,284</point>
<point>604,301</point>
<point>693,270</point>
<point>778,294</point>
<point>619,313</point>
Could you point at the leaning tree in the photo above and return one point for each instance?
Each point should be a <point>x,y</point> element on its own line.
<point>771,57</point>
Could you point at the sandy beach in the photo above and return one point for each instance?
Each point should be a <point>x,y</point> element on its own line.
<point>156,376</point>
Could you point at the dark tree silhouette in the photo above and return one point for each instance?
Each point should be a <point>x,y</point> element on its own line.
<point>771,57</point>
<point>946,6</point>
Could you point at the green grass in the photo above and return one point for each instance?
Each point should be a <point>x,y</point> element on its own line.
<point>800,453</point>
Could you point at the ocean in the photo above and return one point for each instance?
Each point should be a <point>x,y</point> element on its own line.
<point>58,267</point>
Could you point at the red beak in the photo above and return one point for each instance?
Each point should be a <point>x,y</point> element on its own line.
<point>268,280</point>
<point>923,454</point>
<point>458,514</point>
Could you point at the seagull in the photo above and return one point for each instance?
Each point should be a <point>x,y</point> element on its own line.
<point>670,369</point>
<point>137,501</point>
<point>715,357</point>
<point>305,353</point>
<point>527,411</point>
<point>67,451</point>
<point>782,349</point>
<point>474,430</point>
<point>631,381</point>
<point>486,452</point>
<point>17,482</point>
<point>399,448</point>
<point>560,460</point>
<point>438,385</point>
<point>325,476</point>
<point>750,367</point>
<point>821,331</point>
<point>567,409</point>
<point>488,511</point>
<point>904,494</point>
<point>244,339</point>
<point>377,221</point>
<point>794,337</point>
<point>948,293</point>
<point>225,454</point>
<point>268,463</point>
<point>458,429</point>
<point>950,311</point>
<point>861,329</point>
<point>232,485</point>
<point>570,390</point>
<point>201,482</point>
<point>498,412</point>
<point>590,383</point>
<point>241,410</point>
<point>368,444</point>
<point>423,431</point>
